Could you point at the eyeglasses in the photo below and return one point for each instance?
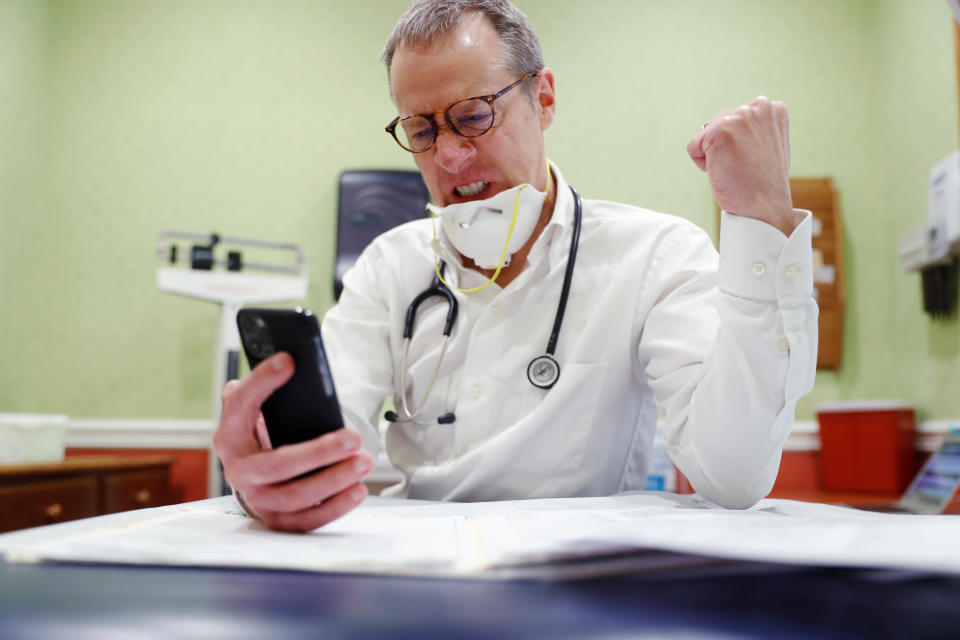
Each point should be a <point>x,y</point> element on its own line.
<point>469,118</point>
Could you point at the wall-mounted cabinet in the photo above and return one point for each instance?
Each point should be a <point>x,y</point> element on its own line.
<point>820,197</point>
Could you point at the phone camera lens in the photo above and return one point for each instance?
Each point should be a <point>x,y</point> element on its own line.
<point>256,336</point>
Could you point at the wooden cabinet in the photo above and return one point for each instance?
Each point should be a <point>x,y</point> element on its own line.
<point>820,197</point>
<point>38,494</point>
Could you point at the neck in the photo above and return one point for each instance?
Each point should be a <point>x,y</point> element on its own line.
<point>518,261</point>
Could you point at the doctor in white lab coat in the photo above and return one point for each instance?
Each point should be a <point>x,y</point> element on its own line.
<point>723,346</point>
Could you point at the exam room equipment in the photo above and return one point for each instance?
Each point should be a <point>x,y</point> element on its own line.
<point>212,267</point>
<point>934,249</point>
<point>370,202</point>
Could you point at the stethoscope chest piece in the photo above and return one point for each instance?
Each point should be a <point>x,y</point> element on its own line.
<point>543,371</point>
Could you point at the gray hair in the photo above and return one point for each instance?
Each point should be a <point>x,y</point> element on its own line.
<point>425,21</point>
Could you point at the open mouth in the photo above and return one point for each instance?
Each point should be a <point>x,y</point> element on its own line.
<point>471,190</point>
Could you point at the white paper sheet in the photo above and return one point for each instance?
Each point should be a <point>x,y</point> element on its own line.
<point>531,538</point>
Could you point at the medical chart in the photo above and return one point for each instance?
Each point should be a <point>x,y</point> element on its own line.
<point>528,538</point>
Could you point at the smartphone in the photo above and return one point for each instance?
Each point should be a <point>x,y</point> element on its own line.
<point>306,405</point>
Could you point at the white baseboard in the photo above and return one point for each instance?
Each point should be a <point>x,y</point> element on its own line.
<point>805,435</point>
<point>136,433</point>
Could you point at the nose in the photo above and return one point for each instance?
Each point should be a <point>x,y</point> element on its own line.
<point>452,152</point>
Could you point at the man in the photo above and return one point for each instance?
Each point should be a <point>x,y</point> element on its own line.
<point>724,351</point>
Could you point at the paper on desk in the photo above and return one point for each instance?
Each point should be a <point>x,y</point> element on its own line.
<point>524,538</point>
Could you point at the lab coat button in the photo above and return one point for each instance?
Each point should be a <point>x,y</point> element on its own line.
<point>495,307</point>
<point>784,344</point>
<point>791,271</point>
<point>759,268</point>
<point>477,391</point>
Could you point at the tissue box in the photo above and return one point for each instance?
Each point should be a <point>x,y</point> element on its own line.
<point>26,438</point>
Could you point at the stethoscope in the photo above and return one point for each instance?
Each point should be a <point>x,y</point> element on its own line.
<point>542,372</point>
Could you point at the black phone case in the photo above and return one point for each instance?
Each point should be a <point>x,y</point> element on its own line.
<point>306,405</point>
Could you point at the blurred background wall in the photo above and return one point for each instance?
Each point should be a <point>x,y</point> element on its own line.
<point>122,117</point>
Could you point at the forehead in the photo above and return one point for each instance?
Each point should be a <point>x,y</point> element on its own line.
<point>461,64</point>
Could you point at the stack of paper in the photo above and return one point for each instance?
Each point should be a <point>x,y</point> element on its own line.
<point>531,538</point>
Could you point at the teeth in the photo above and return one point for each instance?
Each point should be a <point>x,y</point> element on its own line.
<point>470,190</point>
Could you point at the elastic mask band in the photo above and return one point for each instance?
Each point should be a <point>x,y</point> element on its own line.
<point>503,255</point>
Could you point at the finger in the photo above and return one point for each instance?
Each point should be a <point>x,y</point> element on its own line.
<point>261,382</point>
<point>314,517</point>
<point>263,436</point>
<point>242,402</point>
<point>716,130</point>
<point>289,461</point>
<point>229,389</point>
<point>313,489</point>
<point>700,145</point>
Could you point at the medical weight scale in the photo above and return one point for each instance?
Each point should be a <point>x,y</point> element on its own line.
<point>227,281</point>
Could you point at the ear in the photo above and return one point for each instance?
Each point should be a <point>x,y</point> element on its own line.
<point>546,98</point>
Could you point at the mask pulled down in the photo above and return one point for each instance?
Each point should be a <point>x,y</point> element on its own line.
<point>490,231</point>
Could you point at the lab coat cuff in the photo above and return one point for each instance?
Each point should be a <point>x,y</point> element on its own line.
<point>758,262</point>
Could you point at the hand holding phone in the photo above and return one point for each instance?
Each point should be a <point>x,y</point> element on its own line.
<point>283,485</point>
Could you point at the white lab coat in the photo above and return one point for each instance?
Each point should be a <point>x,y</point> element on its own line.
<point>724,350</point>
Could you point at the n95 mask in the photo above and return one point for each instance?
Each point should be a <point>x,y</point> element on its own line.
<point>481,229</point>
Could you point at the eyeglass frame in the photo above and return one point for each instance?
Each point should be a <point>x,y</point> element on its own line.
<point>432,117</point>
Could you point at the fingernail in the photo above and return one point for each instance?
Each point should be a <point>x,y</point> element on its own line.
<point>362,465</point>
<point>277,363</point>
<point>357,494</point>
<point>350,440</point>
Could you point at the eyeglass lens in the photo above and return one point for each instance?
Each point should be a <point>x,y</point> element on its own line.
<point>469,118</point>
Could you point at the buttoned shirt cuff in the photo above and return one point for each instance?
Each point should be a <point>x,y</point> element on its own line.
<point>758,262</point>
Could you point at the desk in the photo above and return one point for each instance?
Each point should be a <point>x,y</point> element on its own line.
<point>851,498</point>
<point>58,601</point>
<point>725,600</point>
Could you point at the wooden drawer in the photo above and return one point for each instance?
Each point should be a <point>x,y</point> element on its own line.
<point>135,490</point>
<point>38,503</point>
<point>44,493</point>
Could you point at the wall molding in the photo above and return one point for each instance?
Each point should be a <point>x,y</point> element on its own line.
<point>805,435</point>
<point>138,433</point>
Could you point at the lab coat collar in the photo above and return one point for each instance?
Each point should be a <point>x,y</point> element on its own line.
<point>554,240</point>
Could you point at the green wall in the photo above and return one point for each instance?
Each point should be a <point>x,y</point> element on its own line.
<point>918,86</point>
<point>23,78</point>
<point>131,116</point>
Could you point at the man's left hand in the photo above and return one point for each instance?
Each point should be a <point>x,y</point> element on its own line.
<point>746,153</point>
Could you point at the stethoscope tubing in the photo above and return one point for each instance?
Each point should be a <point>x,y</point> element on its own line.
<point>568,274</point>
<point>543,371</point>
